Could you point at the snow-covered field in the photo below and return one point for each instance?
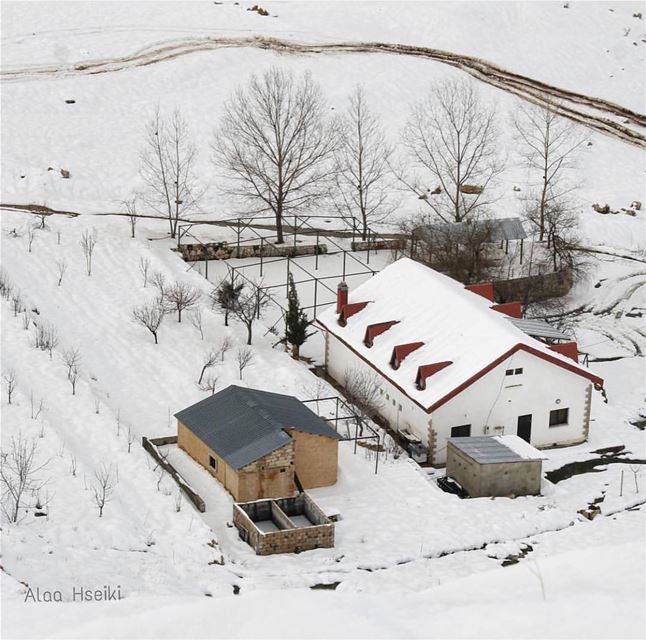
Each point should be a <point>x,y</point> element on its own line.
<point>410,560</point>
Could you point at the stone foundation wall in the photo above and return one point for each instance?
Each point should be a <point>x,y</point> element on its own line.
<point>534,288</point>
<point>225,250</point>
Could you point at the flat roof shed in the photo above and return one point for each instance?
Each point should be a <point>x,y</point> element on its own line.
<point>495,466</point>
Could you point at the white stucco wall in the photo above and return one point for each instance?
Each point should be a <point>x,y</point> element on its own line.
<point>495,400</point>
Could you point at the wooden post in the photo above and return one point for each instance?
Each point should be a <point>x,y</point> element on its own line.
<point>344,252</point>
<point>295,234</point>
<point>368,250</point>
<point>238,247</point>
<point>521,251</point>
<point>316,256</point>
<point>287,279</point>
<point>316,282</point>
<point>262,251</point>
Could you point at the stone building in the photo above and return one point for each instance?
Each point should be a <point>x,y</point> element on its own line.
<point>259,444</point>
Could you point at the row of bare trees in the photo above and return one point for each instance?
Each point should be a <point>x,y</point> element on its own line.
<point>278,151</point>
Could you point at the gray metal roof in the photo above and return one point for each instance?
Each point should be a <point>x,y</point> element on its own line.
<point>498,229</point>
<point>487,450</point>
<point>242,425</point>
<point>538,328</point>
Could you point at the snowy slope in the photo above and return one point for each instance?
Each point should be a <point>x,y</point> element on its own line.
<point>411,560</point>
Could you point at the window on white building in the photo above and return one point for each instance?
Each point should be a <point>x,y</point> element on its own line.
<point>559,417</point>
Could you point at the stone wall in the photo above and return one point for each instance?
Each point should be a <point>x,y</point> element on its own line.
<point>534,288</point>
<point>289,539</point>
<point>225,250</point>
<point>315,458</point>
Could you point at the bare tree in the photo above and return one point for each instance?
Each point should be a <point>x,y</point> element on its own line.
<point>103,487</point>
<point>19,475</point>
<point>158,280</point>
<point>149,315</point>
<point>196,320</point>
<point>71,358</point>
<point>363,390</point>
<point>210,359</point>
<point>275,145</point>
<point>17,304</point>
<point>225,345</point>
<point>26,319</point>
<point>244,357</point>
<point>130,438</point>
<point>549,145</point>
<point>131,213</point>
<point>46,338</point>
<point>5,285</point>
<point>88,242</point>
<point>73,378</point>
<point>561,222</point>
<point>181,297</point>
<point>363,175</point>
<point>36,410</point>
<point>144,268</point>
<point>451,137</point>
<point>168,167</point>
<point>210,383</point>
<point>61,268</point>
<point>249,307</point>
<point>31,232</point>
<point>9,379</point>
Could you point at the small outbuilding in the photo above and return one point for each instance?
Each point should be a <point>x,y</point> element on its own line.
<point>259,444</point>
<point>494,466</point>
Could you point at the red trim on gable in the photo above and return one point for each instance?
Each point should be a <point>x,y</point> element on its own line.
<point>425,371</point>
<point>349,310</point>
<point>557,361</point>
<point>512,309</point>
<point>519,347</point>
<point>374,330</point>
<point>567,349</point>
<point>484,289</point>
<point>401,351</point>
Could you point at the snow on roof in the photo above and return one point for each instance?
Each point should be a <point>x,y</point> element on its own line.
<point>496,449</point>
<point>455,325</point>
<point>520,447</point>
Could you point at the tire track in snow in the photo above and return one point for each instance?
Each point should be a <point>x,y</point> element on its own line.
<point>595,113</point>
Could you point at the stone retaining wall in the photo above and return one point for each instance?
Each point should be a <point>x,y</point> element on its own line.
<point>534,288</point>
<point>225,251</point>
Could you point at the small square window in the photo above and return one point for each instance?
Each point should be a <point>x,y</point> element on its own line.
<point>509,372</point>
<point>400,407</point>
<point>559,417</point>
<point>283,470</point>
<point>387,396</point>
<point>517,372</point>
<point>213,463</point>
<point>394,403</point>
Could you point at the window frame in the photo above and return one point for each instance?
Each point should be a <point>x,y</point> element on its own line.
<point>556,414</point>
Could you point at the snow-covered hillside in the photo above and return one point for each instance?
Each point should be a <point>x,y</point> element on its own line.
<point>410,560</point>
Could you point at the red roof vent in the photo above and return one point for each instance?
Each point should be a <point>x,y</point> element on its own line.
<point>349,310</point>
<point>374,330</point>
<point>401,351</point>
<point>484,289</point>
<point>567,349</point>
<point>512,309</point>
<point>425,371</point>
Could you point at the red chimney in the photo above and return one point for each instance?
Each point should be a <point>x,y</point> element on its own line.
<point>341,296</point>
<point>567,349</point>
<point>512,309</point>
<point>484,289</point>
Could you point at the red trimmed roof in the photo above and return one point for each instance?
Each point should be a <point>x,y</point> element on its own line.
<point>567,349</point>
<point>349,310</point>
<point>374,330</point>
<point>519,347</point>
<point>484,289</point>
<point>425,371</point>
<point>512,309</point>
<point>401,351</point>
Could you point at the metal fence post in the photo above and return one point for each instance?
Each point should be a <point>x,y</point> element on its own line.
<point>262,242</point>
<point>316,282</point>
<point>316,258</point>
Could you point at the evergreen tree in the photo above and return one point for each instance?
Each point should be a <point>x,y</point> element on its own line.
<point>226,296</point>
<point>296,321</point>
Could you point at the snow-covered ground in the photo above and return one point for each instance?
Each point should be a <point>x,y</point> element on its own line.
<point>410,560</point>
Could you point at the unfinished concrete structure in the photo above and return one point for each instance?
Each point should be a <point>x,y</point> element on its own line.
<point>494,466</point>
<point>283,525</point>
<point>259,444</point>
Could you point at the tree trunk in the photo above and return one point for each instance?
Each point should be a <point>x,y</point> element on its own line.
<point>279,224</point>
<point>249,330</point>
<point>179,315</point>
<point>296,351</point>
<point>155,336</point>
<point>226,318</point>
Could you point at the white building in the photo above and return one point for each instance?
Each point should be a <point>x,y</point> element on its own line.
<point>451,363</point>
